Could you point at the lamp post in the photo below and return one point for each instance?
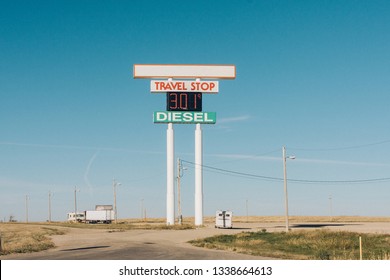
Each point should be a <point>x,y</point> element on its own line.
<point>285,186</point>
<point>114,185</point>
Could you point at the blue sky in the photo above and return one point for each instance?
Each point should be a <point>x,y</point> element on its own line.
<point>311,75</point>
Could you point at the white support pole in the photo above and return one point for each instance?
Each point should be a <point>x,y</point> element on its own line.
<point>170,176</point>
<point>198,176</point>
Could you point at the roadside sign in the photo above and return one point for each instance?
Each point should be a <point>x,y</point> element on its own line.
<point>184,86</point>
<point>184,117</point>
<point>186,71</point>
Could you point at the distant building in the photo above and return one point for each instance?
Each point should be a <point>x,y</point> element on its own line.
<point>103,207</point>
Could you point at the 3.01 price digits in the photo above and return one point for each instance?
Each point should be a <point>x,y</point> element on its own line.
<point>184,101</point>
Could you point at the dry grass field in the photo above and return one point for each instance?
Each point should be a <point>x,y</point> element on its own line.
<point>24,238</point>
<point>320,244</point>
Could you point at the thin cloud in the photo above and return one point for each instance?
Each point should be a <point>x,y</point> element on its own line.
<point>54,146</point>
<point>87,170</point>
<point>233,119</point>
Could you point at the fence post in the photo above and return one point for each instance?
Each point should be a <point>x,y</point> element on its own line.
<point>361,249</point>
<point>1,243</point>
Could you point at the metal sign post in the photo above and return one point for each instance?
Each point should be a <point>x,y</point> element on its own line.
<point>170,176</point>
<point>198,176</point>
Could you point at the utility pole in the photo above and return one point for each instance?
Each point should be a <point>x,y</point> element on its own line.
<point>142,209</point>
<point>114,185</point>
<point>75,203</point>
<point>27,208</point>
<point>285,186</point>
<point>49,206</point>
<point>246,210</point>
<point>178,190</point>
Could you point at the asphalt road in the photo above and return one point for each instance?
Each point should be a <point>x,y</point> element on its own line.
<point>90,244</point>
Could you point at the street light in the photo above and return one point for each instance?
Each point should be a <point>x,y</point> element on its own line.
<point>114,185</point>
<point>285,185</point>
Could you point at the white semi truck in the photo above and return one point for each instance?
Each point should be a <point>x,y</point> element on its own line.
<point>80,217</point>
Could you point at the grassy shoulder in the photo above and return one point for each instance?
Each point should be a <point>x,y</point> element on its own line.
<point>26,238</point>
<point>303,245</point>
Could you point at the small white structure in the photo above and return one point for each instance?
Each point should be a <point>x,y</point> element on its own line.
<point>73,218</point>
<point>223,219</point>
<point>103,207</point>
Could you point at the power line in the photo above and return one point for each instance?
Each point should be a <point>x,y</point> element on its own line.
<point>342,148</point>
<point>248,157</point>
<point>269,178</point>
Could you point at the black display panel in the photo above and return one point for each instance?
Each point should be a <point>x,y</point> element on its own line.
<point>184,101</point>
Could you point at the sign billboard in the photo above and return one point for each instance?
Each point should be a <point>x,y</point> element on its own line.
<point>185,117</point>
<point>184,86</point>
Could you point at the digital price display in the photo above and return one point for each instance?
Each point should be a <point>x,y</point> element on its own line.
<point>184,101</point>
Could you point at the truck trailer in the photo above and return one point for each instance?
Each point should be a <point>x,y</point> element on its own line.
<point>99,216</point>
<point>223,219</point>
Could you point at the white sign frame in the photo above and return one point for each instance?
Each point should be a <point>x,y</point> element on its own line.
<point>184,71</point>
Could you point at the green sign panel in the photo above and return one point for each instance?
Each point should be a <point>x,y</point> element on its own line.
<point>184,117</point>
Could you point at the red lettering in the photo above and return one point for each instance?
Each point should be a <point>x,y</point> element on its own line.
<point>157,84</point>
<point>203,86</point>
<point>193,86</point>
<point>174,86</point>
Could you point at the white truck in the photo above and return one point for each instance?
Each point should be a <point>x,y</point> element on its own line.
<point>80,217</point>
<point>223,219</point>
<point>99,216</point>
